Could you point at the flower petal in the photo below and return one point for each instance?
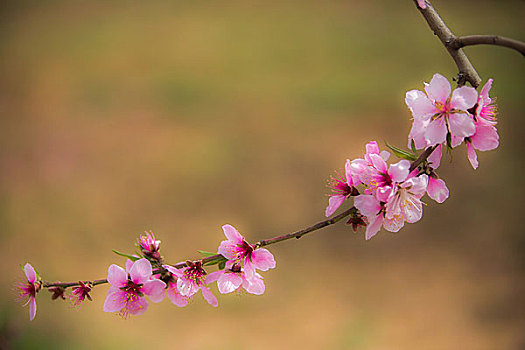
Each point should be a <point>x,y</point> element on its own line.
<point>228,249</point>
<point>209,297</point>
<point>187,287</point>
<point>137,306</point>
<point>435,157</point>
<point>262,259</point>
<point>30,273</point>
<point>255,285</point>
<point>229,282</point>
<point>154,289</point>
<point>117,277</point>
<point>420,105</point>
<point>472,156</point>
<point>334,202</point>
<point>399,171</point>
<point>368,205</point>
<point>115,300</point>
<point>232,234</point>
<point>436,132</point>
<point>463,98</point>
<point>437,190</point>
<point>213,276</point>
<point>32,308</point>
<point>486,137</point>
<point>461,124</point>
<point>175,297</point>
<point>141,271</point>
<point>374,226</point>
<point>438,89</point>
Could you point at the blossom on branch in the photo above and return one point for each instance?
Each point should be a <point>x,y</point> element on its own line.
<point>172,292</point>
<point>237,250</point>
<point>192,280</point>
<point>129,286</point>
<point>80,293</point>
<point>28,290</point>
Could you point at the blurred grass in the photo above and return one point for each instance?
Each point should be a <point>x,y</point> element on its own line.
<point>180,117</point>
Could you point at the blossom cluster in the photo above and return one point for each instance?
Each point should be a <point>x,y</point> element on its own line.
<point>392,193</point>
<point>145,275</point>
<point>385,195</point>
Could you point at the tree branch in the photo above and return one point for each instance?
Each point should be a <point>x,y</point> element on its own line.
<point>438,26</point>
<point>469,40</point>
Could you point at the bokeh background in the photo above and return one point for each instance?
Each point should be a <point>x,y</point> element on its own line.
<point>181,116</point>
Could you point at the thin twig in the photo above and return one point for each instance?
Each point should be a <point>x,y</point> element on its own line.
<point>438,26</point>
<point>497,40</point>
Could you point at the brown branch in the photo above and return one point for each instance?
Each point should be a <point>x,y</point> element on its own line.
<point>469,40</point>
<point>438,26</point>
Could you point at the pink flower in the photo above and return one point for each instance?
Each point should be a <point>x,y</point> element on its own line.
<point>486,108</point>
<point>172,292</point>
<point>192,279</point>
<point>230,279</point>
<point>80,293</point>
<point>402,204</point>
<point>237,250</point>
<point>149,246</point>
<point>28,290</point>
<point>128,288</point>
<point>443,112</point>
<point>360,167</point>
<point>486,138</point>
<point>341,189</point>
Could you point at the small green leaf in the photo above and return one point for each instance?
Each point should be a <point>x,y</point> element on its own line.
<point>216,261</point>
<point>222,265</point>
<point>205,253</point>
<point>130,257</point>
<point>400,153</point>
<point>413,147</point>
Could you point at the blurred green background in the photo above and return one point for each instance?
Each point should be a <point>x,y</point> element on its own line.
<point>180,116</point>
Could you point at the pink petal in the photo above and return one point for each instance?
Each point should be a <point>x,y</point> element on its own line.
<point>374,226</point>
<point>437,190</point>
<point>137,306</point>
<point>187,287</point>
<point>30,274</point>
<point>438,89</point>
<point>209,297</point>
<point>254,286</point>
<point>378,163</point>
<point>174,271</point>
<point>456,141</point>
<point>372,148</point>
<point>249,269</point>
<point>368,205</point>
<point>472,156</point>
<point>348,174</point>
<point>399,171</point>
<point>117,277</point>
<point>228,249</point>
<point>334,202</point>
<point>484,94</point>
<point>115,300</point>
<point>229,282</point>
<point>463,98</point>
<point>420,106</point>
<point>486,137</point>
<point>262,259</point>
<point>129,264</point>
<point>32,308</point>
<point>175,297</point>
<point>461,124</point>
<point>414,212</point>
<point>417,134</point>
<point>418,185</point>
<point>393,225</point>
<point>141,271</point>
<point>232,234</point>
<point>382,193</point>
<point>436,132</point>
<point>435,157</point>
<point>214,276</point>
<point>154,289</point>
